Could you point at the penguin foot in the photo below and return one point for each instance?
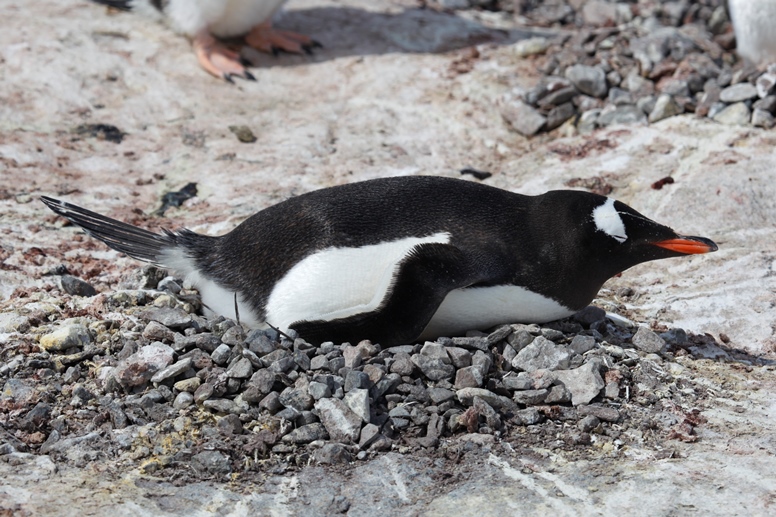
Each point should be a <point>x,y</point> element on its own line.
<point>266,38</point>
<point>217,59</point>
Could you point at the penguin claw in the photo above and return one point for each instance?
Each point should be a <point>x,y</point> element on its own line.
<point>249,76</point>
<point>268,39</point>
<point>228,78</point>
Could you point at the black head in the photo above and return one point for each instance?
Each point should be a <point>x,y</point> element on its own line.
<point>604,237</point>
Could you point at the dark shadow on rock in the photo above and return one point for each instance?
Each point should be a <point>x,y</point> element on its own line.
<point>347,31</point>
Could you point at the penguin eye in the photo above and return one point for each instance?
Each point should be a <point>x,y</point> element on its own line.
<point>608,220</point>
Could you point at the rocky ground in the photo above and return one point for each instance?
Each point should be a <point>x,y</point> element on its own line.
<point>117,394</point>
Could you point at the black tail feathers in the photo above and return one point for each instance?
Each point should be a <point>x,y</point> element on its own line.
<point>135,242</point>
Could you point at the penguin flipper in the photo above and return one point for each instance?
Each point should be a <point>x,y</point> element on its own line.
<point>424,278</point>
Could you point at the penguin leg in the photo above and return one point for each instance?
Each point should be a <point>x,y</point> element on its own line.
<point>217,59</point>
<point>266,38</point>
<point>424,278</point>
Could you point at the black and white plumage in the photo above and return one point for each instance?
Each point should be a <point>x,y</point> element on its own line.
<point>203,21</point>
<point>398,259</point>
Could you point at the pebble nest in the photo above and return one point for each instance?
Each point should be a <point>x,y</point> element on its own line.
<point>138,377</point>
<point>631,62</point>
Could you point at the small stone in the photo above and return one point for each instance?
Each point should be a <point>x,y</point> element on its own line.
<point>607,414</point>
<point>762,118</point>
<point>621,115</point>
<point>234,336</point>
<point>243,134</point>
<point>618,96</point>
<point>768,104</point>
<point>469,377</point>
<point>141,366</point>
<point>584,383</point>
<point>221,405</point>
<point>466,397</point>
<point>259,343</point>
<point>342,424</point>
<point>306,434</point>
<point>155,331</point>
<point>590,80</point>
<point>297,398</point>
<point>319,362</point>
<point>183,400</point>
<point>734,115</point>
<point>402,364</point>
<point>499,334</point>
<point>352,357</point>
<point>612,390</point>
<point>483,361</point>
<point>558,395</point>
<point>368,435</point>
<point>738,93</point>
<point>518,382</point>
<point>542,353</point>
<point>588,423</point>
<point>520,339</point>
<point>172,371</point>
<point>559,114</point>
<point>530,397</point>
<point>435,351</point>
<point>230,425</point>
<point>440,395</point>
<point>531,46</point>
<point>433,368</point>
<point>76,286</point>
<point>665,107</point>
<point>333,454</point>
<point>263,380</point>
<point>766,85</point>
<point>241,369</point>
<point>460,357</point>
<point>221,354</point>
<point>581,344</point>
<point>529,416</point>
<point>523,118</point>
<point>66,337</point>
<point>356,380</point>
<point>211,462</point>
<point>647,341</point>
<point>319,390</point>
<point>484,409</point>
<point>358,402</point>
<point>188,385</point>
<point>471,343</point>
<point>169,317</point>
<point>553,334</point>
<point>271,402</point>
<point>203,393</point>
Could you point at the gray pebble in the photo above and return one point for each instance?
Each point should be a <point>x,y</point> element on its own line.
<point>76,286</point>
<point>647,341</point>
<point>738,93</point>
<point>590,80</point>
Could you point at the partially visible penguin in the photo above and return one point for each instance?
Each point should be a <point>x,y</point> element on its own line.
<point>204,21</point>
<point>395,260</point>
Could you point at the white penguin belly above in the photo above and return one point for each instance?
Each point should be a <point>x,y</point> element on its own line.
<point>479,308</point>
<point>338,283</point>
<point>222,18</point>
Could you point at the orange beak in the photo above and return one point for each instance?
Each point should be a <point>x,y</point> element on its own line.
<point>688,245</point>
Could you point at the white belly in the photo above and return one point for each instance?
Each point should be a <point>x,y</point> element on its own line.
<point>340,282</point>
<point>480,308</point>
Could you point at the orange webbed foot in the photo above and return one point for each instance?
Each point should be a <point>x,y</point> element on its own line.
<point>218,59</point>
<point>266,38</point>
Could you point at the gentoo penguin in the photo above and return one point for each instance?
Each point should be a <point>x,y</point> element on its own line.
<point>203,21</point>
<point>400,259</point>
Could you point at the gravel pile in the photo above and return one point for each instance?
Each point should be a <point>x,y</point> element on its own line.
<point>634,62</point>
<point>137,377</point>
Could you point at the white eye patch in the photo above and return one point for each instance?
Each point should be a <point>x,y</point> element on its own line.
<point>607,220</point>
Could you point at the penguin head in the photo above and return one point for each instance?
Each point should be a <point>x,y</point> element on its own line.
<point>627,237</point>
<point>609,236</point>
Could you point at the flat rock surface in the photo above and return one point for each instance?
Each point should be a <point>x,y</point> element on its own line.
<point>396,90</point>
